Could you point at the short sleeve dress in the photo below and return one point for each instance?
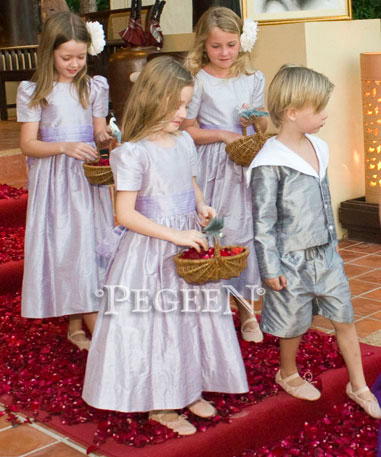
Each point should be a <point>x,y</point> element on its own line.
<point>155,344</point>
<point>215,105</point>
<point>66,215</point>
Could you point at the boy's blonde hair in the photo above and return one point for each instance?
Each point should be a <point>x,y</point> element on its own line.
<point>58,29</point>
<point>154,98</point>
<point>297,87</point>
<point>227,21</point>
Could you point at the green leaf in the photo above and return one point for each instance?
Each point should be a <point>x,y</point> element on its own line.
<point>215,226</point>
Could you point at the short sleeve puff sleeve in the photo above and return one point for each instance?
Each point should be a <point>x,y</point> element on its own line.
<point>258,94</point>
<point>128,163</point>
<point>24,112</point>
<point>195,103</point>
<point>99,96</point>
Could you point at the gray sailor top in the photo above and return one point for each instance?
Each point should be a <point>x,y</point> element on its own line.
<point>292,207</point>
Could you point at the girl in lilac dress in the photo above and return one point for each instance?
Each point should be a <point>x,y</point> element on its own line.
<point>225,83</point>
<point>159,342</point>
<point>63,112</point>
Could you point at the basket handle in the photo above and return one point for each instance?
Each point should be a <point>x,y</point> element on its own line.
<point>217,247</point>
<point>254,122</point>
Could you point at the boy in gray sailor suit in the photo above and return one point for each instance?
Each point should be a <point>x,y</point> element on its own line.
<point>295,237</point>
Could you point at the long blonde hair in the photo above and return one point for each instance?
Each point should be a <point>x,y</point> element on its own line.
<point>154,98</point>
<point>227,21</point>
<point>58,29</point>
<point>297,87</point>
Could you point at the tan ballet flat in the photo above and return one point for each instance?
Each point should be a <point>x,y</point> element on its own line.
<point>202,408</point>
<point>371,407</point>
<point>83,344</point>
<point>249,334</point>
<point>305,391</point>
<point>173,421</point>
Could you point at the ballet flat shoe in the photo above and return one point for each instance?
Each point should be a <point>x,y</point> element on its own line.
<point>81,344</point>
<point>305,391</point>
<point>371,407</point>
<point>173,421</point>
<point>202,408</point>
<point>255,335</point>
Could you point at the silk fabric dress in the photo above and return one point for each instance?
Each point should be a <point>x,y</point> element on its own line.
<point>215,105</point>
<point>152,348</point>
<point>66,215</point>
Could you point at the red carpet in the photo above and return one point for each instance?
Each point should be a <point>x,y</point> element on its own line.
<point>41,374</point>
<point>13,211</point>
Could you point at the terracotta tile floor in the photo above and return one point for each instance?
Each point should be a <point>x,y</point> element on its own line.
<point>362,265</point>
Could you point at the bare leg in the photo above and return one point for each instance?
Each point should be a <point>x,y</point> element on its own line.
<point>250,330</point>
<point>347,340</point>
<point>288,350</point>
<point>245,313</point>
<point>90,319</point>
<point>75,323</point>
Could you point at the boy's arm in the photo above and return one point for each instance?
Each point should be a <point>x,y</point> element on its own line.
<point>264,190</point>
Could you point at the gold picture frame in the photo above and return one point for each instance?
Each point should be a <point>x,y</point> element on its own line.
<point>288,11</point>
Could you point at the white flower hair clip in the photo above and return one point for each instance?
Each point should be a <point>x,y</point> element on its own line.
<point>97,35</point>
<point>248,35</point>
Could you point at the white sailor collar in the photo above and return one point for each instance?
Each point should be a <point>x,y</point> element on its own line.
<point>276,153</point>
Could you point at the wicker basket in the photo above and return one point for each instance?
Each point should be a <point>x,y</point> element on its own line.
<point>243,150</point>
<point>99,175</point>
<point>213,269</point>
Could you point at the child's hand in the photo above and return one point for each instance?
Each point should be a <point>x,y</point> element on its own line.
<point>205,214</point>
<point>243,120</point>
<point>104,137</point>
<point>79,151</point>
<point>277,283</point>
<point>191,238</point>
<point>228,137</point>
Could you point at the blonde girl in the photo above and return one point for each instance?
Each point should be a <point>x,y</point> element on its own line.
<point>62,111</point>
<point>225,81</point>
<point>158,341</point>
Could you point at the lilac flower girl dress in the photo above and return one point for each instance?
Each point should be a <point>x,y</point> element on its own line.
<point>66,215</point>
<point>156,346</point>
<point>215,105</point>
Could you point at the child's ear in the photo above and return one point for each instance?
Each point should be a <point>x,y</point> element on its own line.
<point>291,114</point>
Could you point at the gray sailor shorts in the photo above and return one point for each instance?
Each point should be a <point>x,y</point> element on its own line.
<point>316,284</point>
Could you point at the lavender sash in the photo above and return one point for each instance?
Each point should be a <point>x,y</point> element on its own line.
<point>166,205</point>
<point>82,133</point>
<point>237,128</point>
<point>151,207</point>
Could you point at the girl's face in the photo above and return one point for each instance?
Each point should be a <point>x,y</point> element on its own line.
<point>69,59</point>
<point>181,113</point>
<point>222,48</point>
